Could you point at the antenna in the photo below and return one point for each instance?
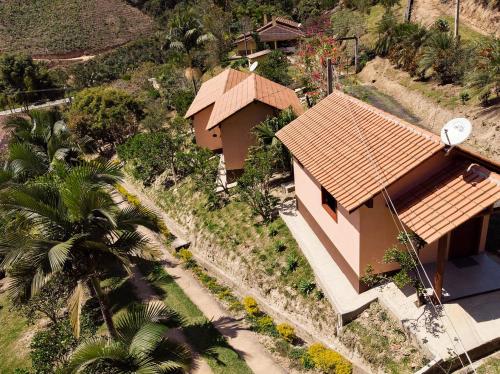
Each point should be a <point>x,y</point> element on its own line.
<point>254,66</point>
<point>456,131</point>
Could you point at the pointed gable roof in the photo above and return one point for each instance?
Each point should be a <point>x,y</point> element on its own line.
<point>355,150</point>
<point>253,88</point>
<point>214,88</point>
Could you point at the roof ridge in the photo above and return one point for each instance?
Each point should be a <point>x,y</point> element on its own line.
<point>391,117</point>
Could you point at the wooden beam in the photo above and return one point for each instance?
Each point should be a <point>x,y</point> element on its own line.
<point>442,255</point>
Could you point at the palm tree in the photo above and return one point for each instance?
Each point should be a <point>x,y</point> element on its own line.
<point>266,134</point>
<point>37,144</point>
<point>486,72</point>
<point>76,231</point>
<point>186,34</point>
<point>140,345</point>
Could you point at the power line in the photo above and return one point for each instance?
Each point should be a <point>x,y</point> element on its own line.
<point>389,201</point>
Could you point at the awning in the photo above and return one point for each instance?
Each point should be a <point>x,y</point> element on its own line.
<point>445,201</point>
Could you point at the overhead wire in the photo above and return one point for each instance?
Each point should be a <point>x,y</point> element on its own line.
<point>393,212</point>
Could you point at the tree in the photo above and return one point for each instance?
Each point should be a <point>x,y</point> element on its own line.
<point>313,8</point>
<point>406,46</point>
<point>407,261</point>
<point>266,134</point>
<point>445,57</point>
<point>486,72</point>
<point>186,35</point>
<point>20,76</point>
<point>106,115</point>
<point>140,345</point>
<point>203,167</point>
<point>347,22</point>
<point>150,154</point>
<point>76,231</point>
<point>275,67</point>
<point>38,143</point>
<point>254,187</point>
<point>386,33</point>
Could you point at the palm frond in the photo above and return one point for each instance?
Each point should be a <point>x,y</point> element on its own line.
<point>96,350</point>
<point>75,302</point>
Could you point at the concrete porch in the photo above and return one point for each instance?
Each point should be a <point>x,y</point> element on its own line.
<point>468,276</point>
<point>475,319</point>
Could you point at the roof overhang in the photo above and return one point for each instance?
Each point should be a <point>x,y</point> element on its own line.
<point>445,201</point>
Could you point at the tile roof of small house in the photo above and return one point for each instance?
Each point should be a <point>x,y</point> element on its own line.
<point>355,150</point>
<point>279,28</point>
<point>214,88</point>
<point>253,88</point>
<point>448,199</point>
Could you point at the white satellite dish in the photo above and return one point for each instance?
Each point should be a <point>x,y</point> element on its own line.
<point>456,131</point>
<point>254,66</point>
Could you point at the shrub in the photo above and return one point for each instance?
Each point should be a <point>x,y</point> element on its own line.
<point>279,246</point>
<point>347,22</point>
<point>265,325</point>
<point>106,115</point>
<point>275,67</point>
<point>441,25</point>
<point>464,97</point>
<point>251,306</point>
<point>286,331</point>
<point>306,286</point>
<point>185,255</point>
<point>327,360</point>
<point>292,262</point>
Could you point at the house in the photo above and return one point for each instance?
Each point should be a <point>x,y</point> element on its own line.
<point>278,33</point>
<point>359,170</point>
<point>229,106</point>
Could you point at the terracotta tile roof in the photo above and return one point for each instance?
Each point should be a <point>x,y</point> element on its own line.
<point>341,140</point>
<point>214,88</point>
<point>448,199</point>
<point>253,88</point>
<point>278,29</point>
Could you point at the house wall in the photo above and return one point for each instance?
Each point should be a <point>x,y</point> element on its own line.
<point>378,229</point>
<point>236,133</point>
<point>205,138</point>
<point>251,47</point>
<point>341,237</point>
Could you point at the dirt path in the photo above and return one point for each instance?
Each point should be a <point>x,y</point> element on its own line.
<point>244,341</point>
<point>146,293</point>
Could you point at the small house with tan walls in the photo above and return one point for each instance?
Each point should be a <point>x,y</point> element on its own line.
<point>229,106</point>
<point>279,33</point>
<point>361,173</point>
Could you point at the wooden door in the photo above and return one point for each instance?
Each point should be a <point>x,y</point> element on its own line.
<point>465,238</point>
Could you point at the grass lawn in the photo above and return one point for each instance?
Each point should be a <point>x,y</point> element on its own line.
<point>14,352</point>
<point>201,334</point>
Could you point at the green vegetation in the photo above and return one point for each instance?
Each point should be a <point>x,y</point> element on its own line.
<point>491,366</point>
<point>14,338</point>
<point>381,342</point>
<point>64,26</point>
<point>275,67</point>
<point>201,334</point>
<point>106,116</point>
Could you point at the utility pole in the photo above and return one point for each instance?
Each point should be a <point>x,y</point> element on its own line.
<point>457,16</point>
<point>329,75</point>
<point>408,11</point>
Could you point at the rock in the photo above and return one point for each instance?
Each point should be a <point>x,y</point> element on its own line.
<point>179,243</point>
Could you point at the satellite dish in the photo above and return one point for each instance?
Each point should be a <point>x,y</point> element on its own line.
<point>299,25</point>
<point>456,131</point>
<point>254,66</point>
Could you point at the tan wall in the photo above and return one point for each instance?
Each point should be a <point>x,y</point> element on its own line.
<point>236,133</point>
<point>251,47</point>
<point>205,138</point>
<point>344,233</point>
<point>378,229</point>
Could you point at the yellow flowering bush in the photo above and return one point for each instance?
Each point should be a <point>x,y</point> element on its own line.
<point>251,306</point>
<point>286,331</point>
<point>327,360</point>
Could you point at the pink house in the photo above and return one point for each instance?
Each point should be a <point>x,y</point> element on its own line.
<point>229,106</point>
<point>357,169</point>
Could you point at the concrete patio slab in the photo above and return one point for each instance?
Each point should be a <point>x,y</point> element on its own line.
<point>467,323</point>
<point>469,276</point>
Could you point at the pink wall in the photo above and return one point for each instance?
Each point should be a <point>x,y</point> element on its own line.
<point>236,133</point>
<point>344,233</point>
<point>205,138</point>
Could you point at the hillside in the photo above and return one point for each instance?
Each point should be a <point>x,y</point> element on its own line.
<point>68,27</point>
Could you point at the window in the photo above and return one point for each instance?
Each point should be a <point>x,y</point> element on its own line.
<point>329,203</point>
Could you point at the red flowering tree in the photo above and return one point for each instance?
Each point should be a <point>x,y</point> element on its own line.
<point>312,59</point>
